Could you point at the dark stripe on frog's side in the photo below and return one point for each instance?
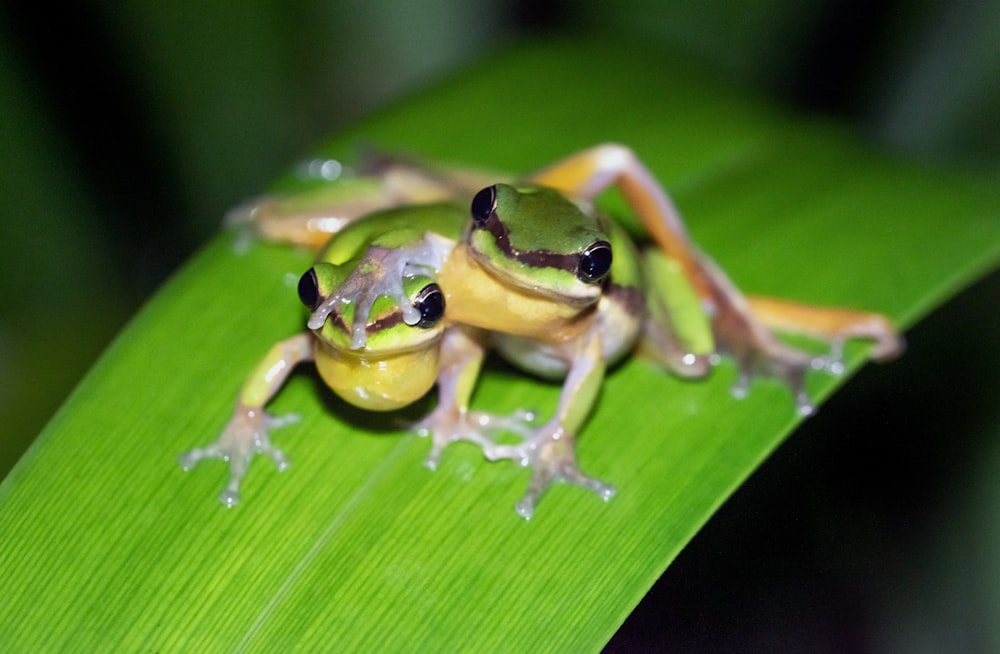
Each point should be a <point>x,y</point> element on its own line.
<point>533,258</point>
<point>631,299</point>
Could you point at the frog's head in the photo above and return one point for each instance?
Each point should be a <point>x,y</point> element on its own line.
<point>536,239</point>
<point>326,290</point>
<point>397,362</point>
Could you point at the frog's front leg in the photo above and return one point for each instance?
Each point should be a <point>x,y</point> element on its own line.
<point>550,449</point>
<point>738,327</point>
<point>462,353</point>
<point>247,432</point>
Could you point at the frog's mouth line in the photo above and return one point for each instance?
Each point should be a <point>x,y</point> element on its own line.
<point>382,323</point>
<point>583,295</point>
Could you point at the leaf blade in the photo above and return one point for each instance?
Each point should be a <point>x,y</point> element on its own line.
<point>106,541</point>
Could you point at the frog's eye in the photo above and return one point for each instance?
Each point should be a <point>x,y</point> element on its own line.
<point>430,303</point>
<point>595,262</point>
<point>483,205</point>
<point>309,289</point>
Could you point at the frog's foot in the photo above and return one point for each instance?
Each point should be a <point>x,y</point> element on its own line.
<point>245,435</point>
<point>787,364</point>
<point>446,426</point>
<point>752,340</point>
<point>550,453</point>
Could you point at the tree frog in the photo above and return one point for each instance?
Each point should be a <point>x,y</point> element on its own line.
<point>560,290</point>
<point>376,323</point>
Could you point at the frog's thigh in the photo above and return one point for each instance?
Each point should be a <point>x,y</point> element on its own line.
<point>588,172</point>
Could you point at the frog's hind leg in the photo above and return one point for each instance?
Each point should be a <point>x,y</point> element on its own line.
<point>308,218</point>
<point>588,173</point>
<point>381,181</point>
<point>831,324</point>
<point>742,328</point>
<point>676,332</point>
<point>746,328</point>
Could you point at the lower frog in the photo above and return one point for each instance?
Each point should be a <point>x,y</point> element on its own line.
<point>375,330</point>
<point>560,290</point>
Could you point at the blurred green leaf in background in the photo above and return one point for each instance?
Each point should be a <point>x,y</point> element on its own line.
<point>126,130</point>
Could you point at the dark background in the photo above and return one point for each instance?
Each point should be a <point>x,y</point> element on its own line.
<point>128,128</point>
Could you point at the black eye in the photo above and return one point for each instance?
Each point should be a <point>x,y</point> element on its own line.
<point>595,263</point>
<point>430,303</point>
<point>309,289</point>
<point>483,205</point>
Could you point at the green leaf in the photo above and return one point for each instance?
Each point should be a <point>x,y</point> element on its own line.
<point>107,543</point>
